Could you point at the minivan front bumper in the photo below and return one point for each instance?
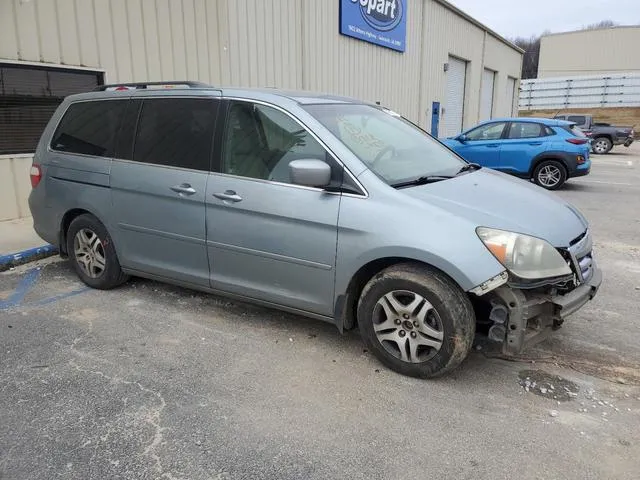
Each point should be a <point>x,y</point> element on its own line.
<point>531,315</point>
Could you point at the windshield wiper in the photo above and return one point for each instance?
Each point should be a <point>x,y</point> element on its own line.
<point>469,167</point>
<point>421,181</point>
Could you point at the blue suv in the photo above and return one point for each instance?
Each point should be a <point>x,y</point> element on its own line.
<point>547,151</point>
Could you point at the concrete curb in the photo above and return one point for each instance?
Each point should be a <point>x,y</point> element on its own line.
<point>26,256</point>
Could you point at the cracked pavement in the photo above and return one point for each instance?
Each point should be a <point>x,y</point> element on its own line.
<point>151,381</point>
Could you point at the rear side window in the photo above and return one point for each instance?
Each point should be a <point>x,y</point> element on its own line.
<point>526,130</point>
<point>89,128</point>
<point>579,119</point>
<point>177,132</point>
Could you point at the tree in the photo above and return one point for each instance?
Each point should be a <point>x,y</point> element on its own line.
<point>531,47</point>
<point>601,24</point>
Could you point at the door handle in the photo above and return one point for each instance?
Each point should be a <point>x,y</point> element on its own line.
<point>493,145</point>
<point>183,189</point>
<point>535,143</point>
<point>228,196</point>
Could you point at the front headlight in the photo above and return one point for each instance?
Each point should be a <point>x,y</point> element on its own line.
<point>527,257</point>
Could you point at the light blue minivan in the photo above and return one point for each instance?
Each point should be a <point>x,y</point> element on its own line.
<point>320,205</point>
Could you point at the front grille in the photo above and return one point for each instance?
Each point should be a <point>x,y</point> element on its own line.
<point>580,251</point>
<point>585,265</point>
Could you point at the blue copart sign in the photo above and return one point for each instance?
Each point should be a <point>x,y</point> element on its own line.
<point>383,22</point>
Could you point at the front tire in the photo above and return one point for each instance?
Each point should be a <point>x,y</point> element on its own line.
<point>601,145</point>
<point>550,174</point>
<point>92,253</point>
<point>416,321</point>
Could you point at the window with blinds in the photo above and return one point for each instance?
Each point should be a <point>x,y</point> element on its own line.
<point>28,97</point>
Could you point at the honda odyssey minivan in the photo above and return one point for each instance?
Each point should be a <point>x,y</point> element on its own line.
<point>320,205</point>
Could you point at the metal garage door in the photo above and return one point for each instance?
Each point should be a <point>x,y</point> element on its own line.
<point>486,99</point>
<point>454,104</point>
<point>510,97</point>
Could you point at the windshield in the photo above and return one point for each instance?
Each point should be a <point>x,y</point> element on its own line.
<point>392,147</point>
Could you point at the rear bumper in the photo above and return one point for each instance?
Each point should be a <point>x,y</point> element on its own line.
<point>626,141</point>
<point>533,316</point>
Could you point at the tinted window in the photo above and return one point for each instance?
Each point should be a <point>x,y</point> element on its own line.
<point>261,141</point>
<point>89,128</point>
<point>525,130</point>
<point>491,131</point>
<point>176,131</point>
<point>579,119</point>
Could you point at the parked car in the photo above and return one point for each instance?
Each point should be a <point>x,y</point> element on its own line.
<point>319,205</point>
<point>603,135</point>
<point>547,151</point>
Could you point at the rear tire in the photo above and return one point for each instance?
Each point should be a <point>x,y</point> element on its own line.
<point>416,321</point>
<point>550,174</point>
<point>92,253</point>
<point>601,145</point>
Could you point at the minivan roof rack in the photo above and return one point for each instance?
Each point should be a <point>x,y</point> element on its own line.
<point>145,85</point>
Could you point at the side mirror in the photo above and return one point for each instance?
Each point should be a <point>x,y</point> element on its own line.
<point>462,138</point>
<point>310,173</point>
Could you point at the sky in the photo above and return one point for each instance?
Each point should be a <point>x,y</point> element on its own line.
<point>523,18</point>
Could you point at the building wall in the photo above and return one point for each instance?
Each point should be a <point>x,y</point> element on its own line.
<point>590,52</point>
<point>291,44</point>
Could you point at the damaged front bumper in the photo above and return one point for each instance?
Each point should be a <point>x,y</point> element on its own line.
<point>525,317</point>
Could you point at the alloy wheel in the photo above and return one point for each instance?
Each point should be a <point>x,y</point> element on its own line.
<point>549,176</point>
<point>408,326</point>
<point>89,252</point>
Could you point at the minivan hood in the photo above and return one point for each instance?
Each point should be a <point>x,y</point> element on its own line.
<point>489,198</point>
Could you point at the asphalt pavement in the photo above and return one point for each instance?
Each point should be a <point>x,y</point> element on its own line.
<point>151,381</point>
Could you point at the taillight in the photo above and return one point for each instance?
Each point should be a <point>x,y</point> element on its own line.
<point>35,174</point>
<point>578,141</point>
<point>580,160</point>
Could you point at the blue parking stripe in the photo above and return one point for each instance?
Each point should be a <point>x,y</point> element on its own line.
<point>16,298</point>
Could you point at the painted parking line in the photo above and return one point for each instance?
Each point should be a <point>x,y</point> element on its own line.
<point>621,163</point>
<point>610,183</point>
<point>26,284</point>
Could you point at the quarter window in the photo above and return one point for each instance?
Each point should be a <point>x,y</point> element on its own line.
<point>261,141</point>
<point>177,132</point>
<point>525,130</point>
<point>89,128</point>
<point>491,131</point>
<point>578,119</point>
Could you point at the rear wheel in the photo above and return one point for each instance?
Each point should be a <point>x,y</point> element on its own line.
<point>550,174</point>
<point>416,321</point>
<point>601,145</point>
<point>92,253</point>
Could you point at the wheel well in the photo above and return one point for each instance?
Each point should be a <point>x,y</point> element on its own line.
<point>544,159</point>
<point>604,135</point>
<point>346,314</point>
<point>64,227</point>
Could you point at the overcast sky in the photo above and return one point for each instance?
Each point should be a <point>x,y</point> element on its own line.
<point>512,18</point>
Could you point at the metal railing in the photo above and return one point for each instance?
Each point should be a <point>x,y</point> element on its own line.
<point>615,90</point>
